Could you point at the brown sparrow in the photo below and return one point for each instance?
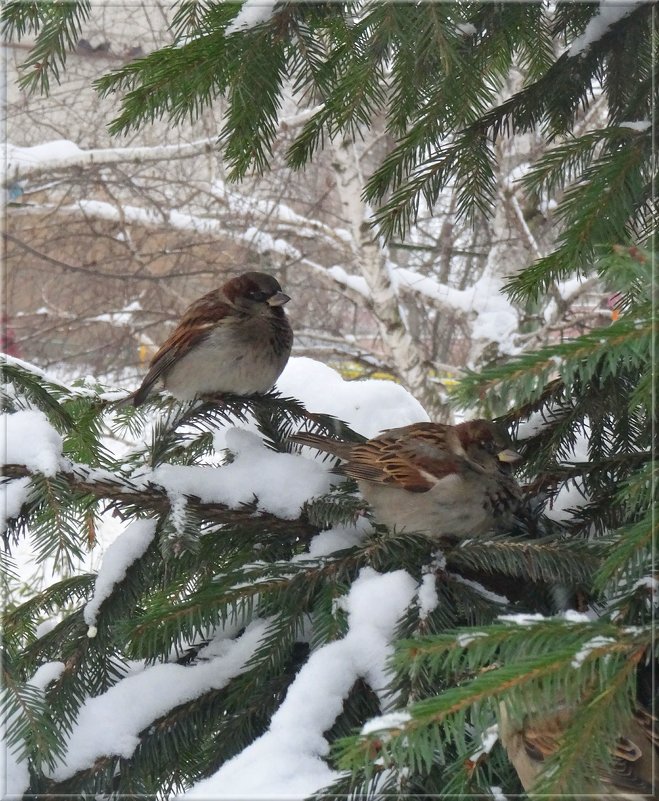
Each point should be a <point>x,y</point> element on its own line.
<point>234,339</point>
<point>634,768</point>
<point>437,479</point>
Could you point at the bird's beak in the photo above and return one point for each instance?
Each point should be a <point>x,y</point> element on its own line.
<point>278,299</point>
<point>509,456</point>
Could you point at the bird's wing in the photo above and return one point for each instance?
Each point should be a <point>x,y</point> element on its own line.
<point>195,325</point>
<point>633,759</point>
<point>413,458</point>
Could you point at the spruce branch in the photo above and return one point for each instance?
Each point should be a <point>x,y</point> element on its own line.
<point>57,27</point>
<point>32,733</point>
<point>127,498</point>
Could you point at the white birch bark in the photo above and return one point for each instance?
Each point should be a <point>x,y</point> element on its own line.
<point>370,256</point>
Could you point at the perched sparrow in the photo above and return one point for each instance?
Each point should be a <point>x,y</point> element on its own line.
<point>234,339</point>
<point>437,479</point>
<point>632,774</point>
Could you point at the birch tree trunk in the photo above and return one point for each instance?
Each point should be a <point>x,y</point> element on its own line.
<point>373,263</point>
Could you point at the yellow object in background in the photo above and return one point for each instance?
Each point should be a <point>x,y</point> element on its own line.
<point>144,353</point>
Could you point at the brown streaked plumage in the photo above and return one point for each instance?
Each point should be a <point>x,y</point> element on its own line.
<point>633,772</point>
<point>234,339</point>
<point>437,479</point>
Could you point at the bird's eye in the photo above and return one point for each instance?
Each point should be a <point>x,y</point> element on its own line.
<point>258,295</point>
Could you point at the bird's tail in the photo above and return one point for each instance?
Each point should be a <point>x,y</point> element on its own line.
<point>325,444</point>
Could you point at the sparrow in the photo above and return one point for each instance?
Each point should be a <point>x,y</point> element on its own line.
<point>235,339</point>
<point>430,478</point>
<point>633,772</point>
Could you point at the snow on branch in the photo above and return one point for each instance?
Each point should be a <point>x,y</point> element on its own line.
<point>110,723</point>
<point>252,12</point>
<point>28,438</point>
<point>107,486</point>
<point>287,760</point>
<point>62,154</point>
<point>126,549</point>
<point>610,12</point>
<point>252,237</point>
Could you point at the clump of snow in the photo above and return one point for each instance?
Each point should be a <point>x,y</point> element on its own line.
<point>286,761</point>
<point>252,13</point>
<point>368,406</point>
<point>533,425</point>
<point>465,639</point>
<point>523,618</point>
<point>45,627</point>
<point>27,438</point>
<point>570,496</point>
<point>587,649</point>
<point>610,12</point>
<point>281,482</point>
<point>47,673</point>
<point>12,499</point>
<point>547,205</point>
<point>178,512</point>
<point>21,158</point>
<point>491,596</point>
<point>121,554</point>
<point>572,616</point>
<point>392,720</point>
<point>110,723</point>
<point>427,595</point>
<point>337,539</point>
<point>488,740</point>
<point>636,125</point>
<point>355,282</point>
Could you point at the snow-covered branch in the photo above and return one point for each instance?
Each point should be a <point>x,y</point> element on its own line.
<point>88,481</point>
<point>30,162</point>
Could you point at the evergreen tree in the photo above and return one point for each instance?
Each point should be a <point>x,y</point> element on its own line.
<point>203,583</point>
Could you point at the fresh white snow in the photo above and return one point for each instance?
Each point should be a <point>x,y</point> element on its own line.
<point>252,13</point>
<point>610,12</point>
<point>651,584</point>
<point>392,720</point>
<point>488,741</point>
<point>368,406</point>
<point>636,125</point>
<point>60,154</point>
<point>427,595</point>
<point>28,438</point>
<point>110,723</point>
<point>121,554</point>
<point>465,639</point>
<point>286,762</point>
<point>14,494</point>
<point>523,618</point>
<point>281,482</point>
<point>587,649</point>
